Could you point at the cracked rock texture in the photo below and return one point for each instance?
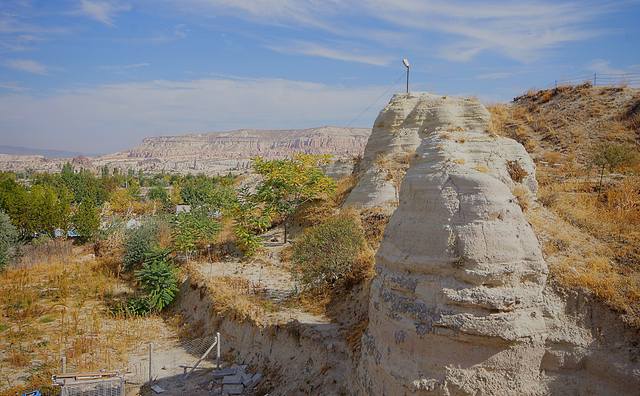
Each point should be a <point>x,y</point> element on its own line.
<point>461,302</point>
<point>400,130</point>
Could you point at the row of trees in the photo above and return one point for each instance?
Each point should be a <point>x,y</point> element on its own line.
<point>75,200</point>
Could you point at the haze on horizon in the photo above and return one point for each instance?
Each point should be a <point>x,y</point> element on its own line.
<point>99,75</point>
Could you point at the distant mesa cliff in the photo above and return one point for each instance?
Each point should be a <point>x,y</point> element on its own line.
<point>212,153</point>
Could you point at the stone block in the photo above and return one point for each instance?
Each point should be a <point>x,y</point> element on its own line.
<point>232,389</point>
<point>224,372</point>
<point>232,379</point>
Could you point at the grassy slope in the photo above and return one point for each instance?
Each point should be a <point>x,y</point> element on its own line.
<point>591,240</point>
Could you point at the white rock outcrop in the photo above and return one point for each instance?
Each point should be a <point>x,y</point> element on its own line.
<point>461,302</point>
<point>401,128</point>
<point>456,304</point>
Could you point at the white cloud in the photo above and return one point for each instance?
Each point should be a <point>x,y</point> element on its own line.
<point>26,65</point>
<point>12,86</point>
<point>495,75</point>
<point>123,68</point>
<point>520,30</point>
<point>16,35</point>
<point>112,117</point>
<point>313,49</point>
<point>101,10</point>
<point>604,66</point>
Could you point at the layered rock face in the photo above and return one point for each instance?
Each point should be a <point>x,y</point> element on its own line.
<point>216,153</point>
<point>461,303</point>
<point>456,306</point>
<point>401,128</point>
<point>248,143</point>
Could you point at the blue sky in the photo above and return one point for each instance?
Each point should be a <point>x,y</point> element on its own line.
<point>99,75</point>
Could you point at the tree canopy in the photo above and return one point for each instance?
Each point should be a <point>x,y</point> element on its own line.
<point>288,183</point>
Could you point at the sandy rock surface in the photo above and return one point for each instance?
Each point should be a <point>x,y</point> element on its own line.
<point>461,302</point>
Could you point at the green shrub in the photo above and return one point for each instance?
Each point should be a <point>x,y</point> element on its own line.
<point>193,230</point>
<point>158,279</point>
<point>332,253</point>
<point>247,241</point>
<point>8,239</point>
<point>138,242</point>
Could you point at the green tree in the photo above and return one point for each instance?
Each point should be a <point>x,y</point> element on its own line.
<point>8,239</point>
<point>251,217</point>
<point>611,156</point>
<point>289,183</point>
<point>87,220</point>
<point>193,230</point>
<point>208,193</point>
<point>41,209</point>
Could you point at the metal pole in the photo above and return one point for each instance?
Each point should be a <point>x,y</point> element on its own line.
<point>204,356</point>
<point>218,350</point>
<point>594,79</point>
<point>407,79</point>
<point>150,353</point>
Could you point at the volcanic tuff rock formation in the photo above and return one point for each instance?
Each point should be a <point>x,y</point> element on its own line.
<point>461,303</point>
<point>400,129</point>
<point>218,152</point>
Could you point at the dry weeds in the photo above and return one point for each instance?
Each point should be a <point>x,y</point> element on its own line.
<point>590,241</point>
<point>58,307</point>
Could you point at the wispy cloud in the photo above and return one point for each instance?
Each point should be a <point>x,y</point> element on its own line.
<point>519,30</point>
<point>495,75</point>
<point>12,86</point>
<point>604,66</point>
<point>322,51</point>
<point>101,10</point>
<point>173,107</point>
<point>26,65</point>
<point>17,35</point>
<point>122,68</point>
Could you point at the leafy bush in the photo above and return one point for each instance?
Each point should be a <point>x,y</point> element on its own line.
<point>160,194</point>
<point>248,242</point>
<point>332,253</point>
<point>138,242</point>
<point>158,279</point>
<point>250,219</point>
<point>87,220</point>
<point>8,239</point>
<point>192,230</point>
<point>204,192</point>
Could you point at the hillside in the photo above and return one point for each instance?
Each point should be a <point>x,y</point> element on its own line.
<point>590,235</point>
<point>562,125</point>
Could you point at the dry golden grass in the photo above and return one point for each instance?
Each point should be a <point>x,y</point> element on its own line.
<point>374,221</point>
<point>516,172</point>
<point>58,306</point>
<point>231,296</point>
<point>591,241</point>
<point>521,194</point>
<point>578,260</point>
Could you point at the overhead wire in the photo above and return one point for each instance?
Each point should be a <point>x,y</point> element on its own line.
<point>389,88</point>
